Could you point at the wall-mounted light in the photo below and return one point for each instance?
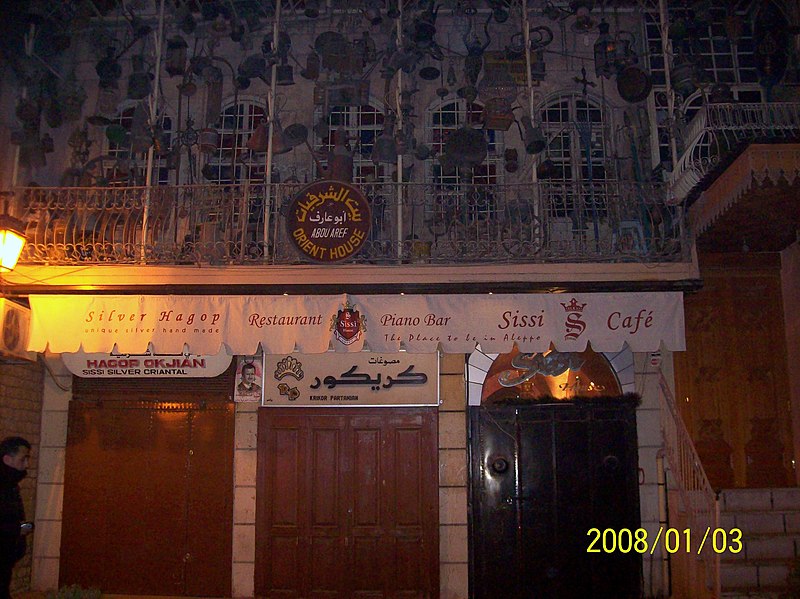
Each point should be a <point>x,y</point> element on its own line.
<point>12,240</point>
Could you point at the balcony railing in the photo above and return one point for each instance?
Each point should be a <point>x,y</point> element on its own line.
<point>411,223</point>
<point>719,130</point>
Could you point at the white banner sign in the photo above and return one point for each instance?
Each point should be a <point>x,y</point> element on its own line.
<point>350,323</point>
<point>354,380</point>
<point>147,364</point>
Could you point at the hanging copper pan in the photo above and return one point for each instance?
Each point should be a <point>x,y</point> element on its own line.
<point>466,147</point>
<point>634,84</point>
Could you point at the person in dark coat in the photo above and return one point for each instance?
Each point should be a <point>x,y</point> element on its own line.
<point>15,453</point>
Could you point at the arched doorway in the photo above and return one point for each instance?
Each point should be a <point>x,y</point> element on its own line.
<point>553,454</point>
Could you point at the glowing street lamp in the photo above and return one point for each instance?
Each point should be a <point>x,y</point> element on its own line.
<point>12,240</point>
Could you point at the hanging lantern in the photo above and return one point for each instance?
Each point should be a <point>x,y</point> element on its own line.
<point>12,241</point>
<point>140,83</point>
<point>284,74</point>
<point>684,75</point>
<point>72,96</point>
<point>532,137</point>
<point>175,60</point>
<point>604,52</point>
<point>538,66</point>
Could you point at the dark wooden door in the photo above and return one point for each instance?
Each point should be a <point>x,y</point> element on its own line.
<point>148,489</point>
<point>347,504</point>
<point>541,477</point>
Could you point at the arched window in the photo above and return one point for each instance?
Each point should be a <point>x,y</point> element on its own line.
<point>128,138</point>
<point>232,161</point>
<point>469,197</point>
<point>449,116</point>
<point>574,127</point>
<point>362,125</point>
<point>576,158</point>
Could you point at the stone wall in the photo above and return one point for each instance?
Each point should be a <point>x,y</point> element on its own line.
<point>21,414</point>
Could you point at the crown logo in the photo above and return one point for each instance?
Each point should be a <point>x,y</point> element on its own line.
<point>289,366</point>
<point>573,306</point>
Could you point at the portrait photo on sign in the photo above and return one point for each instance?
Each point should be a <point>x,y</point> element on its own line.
<point>249,378</point>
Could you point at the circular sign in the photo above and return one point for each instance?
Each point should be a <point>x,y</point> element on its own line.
<point>328,221</point>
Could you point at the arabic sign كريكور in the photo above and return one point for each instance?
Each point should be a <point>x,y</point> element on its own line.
<point>329,221</point>
<point>354,380</point>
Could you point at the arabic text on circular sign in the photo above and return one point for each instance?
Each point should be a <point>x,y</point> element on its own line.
<point>329,221</point>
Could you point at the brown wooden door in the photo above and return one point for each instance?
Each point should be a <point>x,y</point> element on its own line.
<point>347,504</point>
<point>148,491</point>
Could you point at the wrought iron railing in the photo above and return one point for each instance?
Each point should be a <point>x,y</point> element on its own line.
<point>411,223</point>
<point>698,498</point>
<point>719,130</point>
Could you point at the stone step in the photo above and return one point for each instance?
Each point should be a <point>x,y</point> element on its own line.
<point>755,522</point>
<point>758,500</point>
<point>773,547</point>
<point>751,577</point>
<point>752,595</point>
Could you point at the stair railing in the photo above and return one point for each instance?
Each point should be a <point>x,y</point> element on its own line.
<point>699,499</point>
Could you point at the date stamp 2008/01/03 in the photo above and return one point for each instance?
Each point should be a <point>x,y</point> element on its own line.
<point>672,540</point>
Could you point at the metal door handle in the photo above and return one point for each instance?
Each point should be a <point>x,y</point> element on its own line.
<point>512,498</point>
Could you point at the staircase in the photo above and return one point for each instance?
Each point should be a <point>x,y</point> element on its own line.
<point>770,523</point>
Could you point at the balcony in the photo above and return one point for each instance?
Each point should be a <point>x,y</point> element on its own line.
<point>539,223</point>
<point>720,132</point>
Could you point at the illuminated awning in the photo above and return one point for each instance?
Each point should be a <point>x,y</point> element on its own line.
<point>313,324</point>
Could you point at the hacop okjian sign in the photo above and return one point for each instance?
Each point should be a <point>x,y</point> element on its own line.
<point>328,221</point>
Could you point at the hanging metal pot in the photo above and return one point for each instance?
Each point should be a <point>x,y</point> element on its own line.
<point>175,59</point>
<point>53,115</point>
<point>140,84</point>
<point>208,140</point>
<point>720,94</point>
<point>422,152</point>
<point>633,84</point>
<point>198,64</point>
<point>334,49</point>
<point>532,137</point>
<point>429,73</point>
<point>497,115</point>
<point>117,135</point>
<point>72,96</point>
<point>284,74</point>
<point>511,160</point>
<point>468,92</point>
<point>280,144</point>
<point>252,67</point>
<point>516,49</point>
<point>384,150</point>
<point>296,134</point>
<point>28,111</point>
<point>547,169</point>
<point>187,87</point>
<point>311,9</point>
<point>685,76</point>
<point>311,72</point>
<point>108,69</point>
<point>259,138</point>
<point>466,146</point>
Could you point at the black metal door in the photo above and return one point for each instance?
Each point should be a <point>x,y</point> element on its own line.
<point>541,477</point>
